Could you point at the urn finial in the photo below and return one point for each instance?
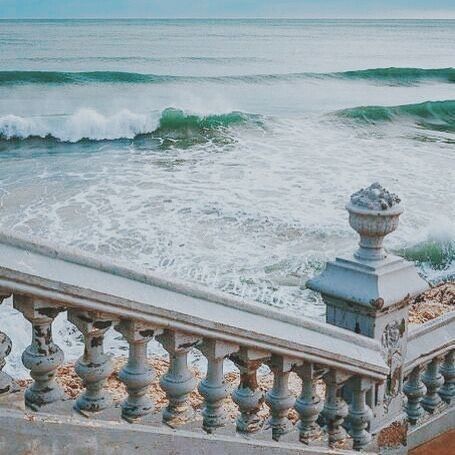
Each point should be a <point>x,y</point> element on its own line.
<point>373,213</point>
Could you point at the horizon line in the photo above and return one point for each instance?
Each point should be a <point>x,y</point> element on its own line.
<point>227,18</point>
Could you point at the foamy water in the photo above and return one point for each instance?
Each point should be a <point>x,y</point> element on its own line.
<point>227,162</point>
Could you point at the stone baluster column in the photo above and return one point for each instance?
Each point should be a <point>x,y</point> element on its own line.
<point>213,387</point>
<point>248,396</point>
<point>279,399</point>
<point>335,408</point>
<point>6,382</point>
<point>415,390</point>
<point>360,414</point>
<point>447,391</point>
<point>137,374</point>
<point>308,405</point>
<point>42,357</point>
<point>368,293</point>
<point>179,381</point>
<point>433,379</point>
<point>94,367</point>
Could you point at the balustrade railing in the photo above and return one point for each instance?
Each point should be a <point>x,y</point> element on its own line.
<point>362,363</point>
<point>430,369</point>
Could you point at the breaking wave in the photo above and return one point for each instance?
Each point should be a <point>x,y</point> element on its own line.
<point>88,124</point>
<point>435,253</point>
<point>387,76</point>
<point>435,115</point>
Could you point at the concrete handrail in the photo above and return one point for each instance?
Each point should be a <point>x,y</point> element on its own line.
<point>432,339</point>
<point>80,280</point>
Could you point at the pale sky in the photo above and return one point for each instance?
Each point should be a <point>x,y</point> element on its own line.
<point>443,9</point>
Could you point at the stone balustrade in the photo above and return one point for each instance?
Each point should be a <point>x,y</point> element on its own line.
<point>362,354</point>
<point>430,370</point>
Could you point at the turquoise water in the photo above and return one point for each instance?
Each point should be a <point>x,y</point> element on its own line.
<point>223,151</point>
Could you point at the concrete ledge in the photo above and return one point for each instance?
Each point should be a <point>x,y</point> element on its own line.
<point>39,433</point>
<point>432,428</point>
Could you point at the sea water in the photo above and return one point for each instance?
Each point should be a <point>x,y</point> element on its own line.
<point>223,151</point>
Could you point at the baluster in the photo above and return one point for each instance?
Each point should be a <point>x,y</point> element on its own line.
<point>179,381</point>
<point>308,405</point>
<point>415,390</point>
<point>137,374</point>
<point>6,382</point>
<point>94,367</point>
<point>335,408</point>
<point>433,379</point>
<point>279,399</point>
<point>447,391</point>
<point>213,387</point>
<point>248,396</point>
<point>359,413</point>
<point>42,357</point>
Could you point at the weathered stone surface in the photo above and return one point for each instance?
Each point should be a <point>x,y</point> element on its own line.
<point>42,357</point>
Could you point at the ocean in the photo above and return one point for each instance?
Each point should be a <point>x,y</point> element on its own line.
<point>223,151</point>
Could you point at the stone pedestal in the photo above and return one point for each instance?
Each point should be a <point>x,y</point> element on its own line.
<point>368,293</point>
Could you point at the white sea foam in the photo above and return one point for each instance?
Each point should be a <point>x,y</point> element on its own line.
<point>83,124</point>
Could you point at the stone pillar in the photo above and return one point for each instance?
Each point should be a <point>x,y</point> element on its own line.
<point>94,367</point>
<point>433,380</point>
<point>415,390</point>
<point>43,356</point>
<point>137,374</point>
<point>308,405</point>
<point>368,293</point>
<point>248,396</point>
<point>6,382</point>
<point>280,399</point>
<point>335,408</point>
<point>359,414</point>
<point>179,381</point>
<point>213,387</point>
<point>447,391</point>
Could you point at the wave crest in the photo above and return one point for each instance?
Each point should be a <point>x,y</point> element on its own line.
<point>88,124</point>
<point>388,76</point>
<point>435,115</point>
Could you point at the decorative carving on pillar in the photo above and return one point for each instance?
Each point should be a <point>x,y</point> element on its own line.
<point>6,382</point>
<point>279,399</point>
<point>248,396</point>
<point>373,213</point>
<point>392,345</point>
<point>433,379</point>
<point>415,390</point>
<point>359,413</point>
<point>213,387</point>
<point>42,357</point>
<point>137,374</point>
<point>308,405</point>
<point>447,391</point>
<point>335,408</point>
<point>179,381</point>
<point>94,367</point>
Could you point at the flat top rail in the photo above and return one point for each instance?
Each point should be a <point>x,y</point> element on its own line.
<point>431,339</point>
<point>78,279</point>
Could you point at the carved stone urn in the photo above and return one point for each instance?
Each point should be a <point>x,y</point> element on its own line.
<point>373,214</point>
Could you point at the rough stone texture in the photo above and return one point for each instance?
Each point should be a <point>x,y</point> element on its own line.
<point>375,197</point>
<point>430,304</point>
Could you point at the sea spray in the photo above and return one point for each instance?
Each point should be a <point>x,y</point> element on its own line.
<point>88,124</point>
